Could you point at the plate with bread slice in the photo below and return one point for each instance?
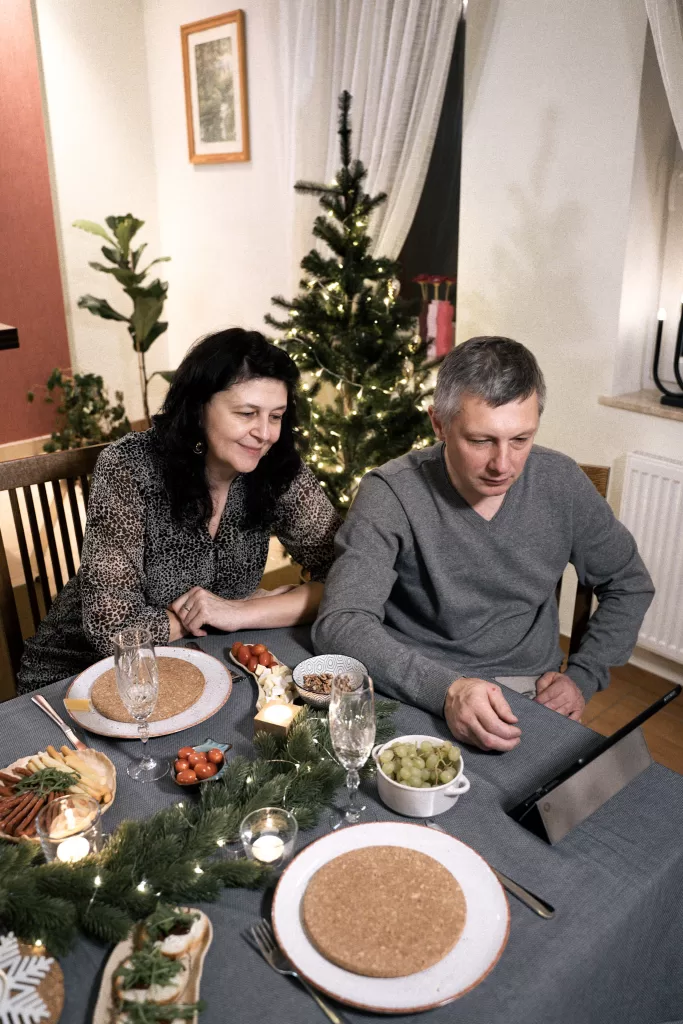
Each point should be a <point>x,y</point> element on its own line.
<point>159,966</point>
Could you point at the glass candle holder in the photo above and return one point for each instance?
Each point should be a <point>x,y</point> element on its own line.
<point>69,828</point>
<point>269,835</point>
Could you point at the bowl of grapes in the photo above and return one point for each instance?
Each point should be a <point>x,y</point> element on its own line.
<point>420,776</point>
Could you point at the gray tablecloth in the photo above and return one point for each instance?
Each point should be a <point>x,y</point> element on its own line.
<point>613,954</point>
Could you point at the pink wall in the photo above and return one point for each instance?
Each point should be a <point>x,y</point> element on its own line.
<point>30,282</point>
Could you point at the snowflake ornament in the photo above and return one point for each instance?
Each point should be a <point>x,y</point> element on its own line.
<point>19,978</point>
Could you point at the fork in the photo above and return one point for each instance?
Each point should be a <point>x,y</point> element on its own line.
<point>262,934</point>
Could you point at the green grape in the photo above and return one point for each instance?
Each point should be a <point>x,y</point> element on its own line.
<point>423,766</point>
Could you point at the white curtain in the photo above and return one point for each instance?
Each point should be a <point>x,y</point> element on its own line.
<point>393,57</point>
<point>666,24</point>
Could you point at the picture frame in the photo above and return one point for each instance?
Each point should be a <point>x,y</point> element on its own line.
<point>215,75</point>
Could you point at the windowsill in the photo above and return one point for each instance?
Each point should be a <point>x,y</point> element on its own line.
<point>646,401</point>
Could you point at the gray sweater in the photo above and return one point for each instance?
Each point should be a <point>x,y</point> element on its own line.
<point>424,590</point>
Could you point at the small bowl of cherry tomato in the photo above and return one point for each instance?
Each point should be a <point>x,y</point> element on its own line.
<point>203,763</point>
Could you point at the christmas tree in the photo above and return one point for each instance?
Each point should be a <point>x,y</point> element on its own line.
<point>348,329</point>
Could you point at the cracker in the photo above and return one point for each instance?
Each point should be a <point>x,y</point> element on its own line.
<point>384,911</point>
<point>180,686</point>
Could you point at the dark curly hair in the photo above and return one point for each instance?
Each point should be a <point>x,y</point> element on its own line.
<point>214,364</point>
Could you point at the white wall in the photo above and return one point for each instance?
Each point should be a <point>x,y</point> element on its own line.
<point>100,143</point>
<point>223,224</point>
<point>551,119</point>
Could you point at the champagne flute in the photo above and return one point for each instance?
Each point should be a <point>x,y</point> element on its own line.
<point>352,731</point>
<point>137,679</point>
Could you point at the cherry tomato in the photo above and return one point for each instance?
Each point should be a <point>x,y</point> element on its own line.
<point>235,648</point>
<point>185,752</point>
<point>186,777</point>
<point>243,655</point>
<point>181,765</point>
<point>196,758</point>
<point>215,756</point>
<point>265,659</point>
<point>252,663</point>
<point>205,771</point>
<point>258,648</point>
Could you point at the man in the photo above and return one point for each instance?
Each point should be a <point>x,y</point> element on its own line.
<point>448,561</point>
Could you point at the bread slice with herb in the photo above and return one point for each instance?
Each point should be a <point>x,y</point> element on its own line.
<point>174,930</point>
<point>152,1013</point>
<point>149,976</point>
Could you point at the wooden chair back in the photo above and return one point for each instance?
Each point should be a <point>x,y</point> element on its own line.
<point>599,475</point>
<point>64,471</point>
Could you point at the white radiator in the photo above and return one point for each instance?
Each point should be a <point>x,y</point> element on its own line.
<point>652,509</point>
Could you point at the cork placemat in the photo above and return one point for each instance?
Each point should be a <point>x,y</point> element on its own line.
<point>384,911</point>
<point>180,686</point>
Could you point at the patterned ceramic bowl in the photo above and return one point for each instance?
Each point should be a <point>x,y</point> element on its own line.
<point>336,665</point>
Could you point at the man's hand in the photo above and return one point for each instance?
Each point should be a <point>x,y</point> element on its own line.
<point>199,607</point>
<point>559,693</point>
<point>478,713</point>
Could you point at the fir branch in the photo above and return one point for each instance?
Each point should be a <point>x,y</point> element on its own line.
<point>172,856</point>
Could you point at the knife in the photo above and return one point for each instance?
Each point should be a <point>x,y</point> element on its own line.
<point>535,903</point>
<point>51,713</point>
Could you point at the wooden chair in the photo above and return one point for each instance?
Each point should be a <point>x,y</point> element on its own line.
<point>63,470</point>
<point>599,475</point>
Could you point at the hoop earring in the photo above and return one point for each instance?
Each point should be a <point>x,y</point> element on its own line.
<point>199,448</point>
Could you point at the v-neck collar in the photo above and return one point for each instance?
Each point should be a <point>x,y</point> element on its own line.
<point>235,495</point>
<point>464,505</point>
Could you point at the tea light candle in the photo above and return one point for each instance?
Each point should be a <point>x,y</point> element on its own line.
<point>267,849</point>
<point>73,849</point>
<point>276,717</point>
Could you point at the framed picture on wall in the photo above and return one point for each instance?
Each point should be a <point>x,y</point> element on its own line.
<point>215,71</point>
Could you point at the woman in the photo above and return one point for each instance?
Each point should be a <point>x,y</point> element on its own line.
<point>180,516</point>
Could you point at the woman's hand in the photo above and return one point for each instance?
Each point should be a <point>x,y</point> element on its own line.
<point>199,607</point>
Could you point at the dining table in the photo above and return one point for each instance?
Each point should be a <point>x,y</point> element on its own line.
<point>611,954</point>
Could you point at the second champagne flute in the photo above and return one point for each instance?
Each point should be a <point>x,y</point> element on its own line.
<point>137,679</point>
<point>352,731</point>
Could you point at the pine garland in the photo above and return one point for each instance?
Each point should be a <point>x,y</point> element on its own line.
<point>174,856</point>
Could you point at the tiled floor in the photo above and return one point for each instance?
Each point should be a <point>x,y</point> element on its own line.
<point>630,691</point>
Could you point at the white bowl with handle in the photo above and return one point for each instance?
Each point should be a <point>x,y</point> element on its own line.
<point>418,803</point>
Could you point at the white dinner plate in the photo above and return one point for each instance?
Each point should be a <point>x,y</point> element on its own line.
<point>218,684</point>
<point>474,955</point>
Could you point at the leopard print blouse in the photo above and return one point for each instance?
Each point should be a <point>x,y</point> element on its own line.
<point>137,559</point>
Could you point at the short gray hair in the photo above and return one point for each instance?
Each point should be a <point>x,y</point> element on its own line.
<point>498,370</point>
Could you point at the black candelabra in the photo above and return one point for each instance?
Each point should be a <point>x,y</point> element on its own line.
<point>674,398</point>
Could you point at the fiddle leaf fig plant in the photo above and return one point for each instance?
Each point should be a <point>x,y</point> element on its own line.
<point>144,322</point>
